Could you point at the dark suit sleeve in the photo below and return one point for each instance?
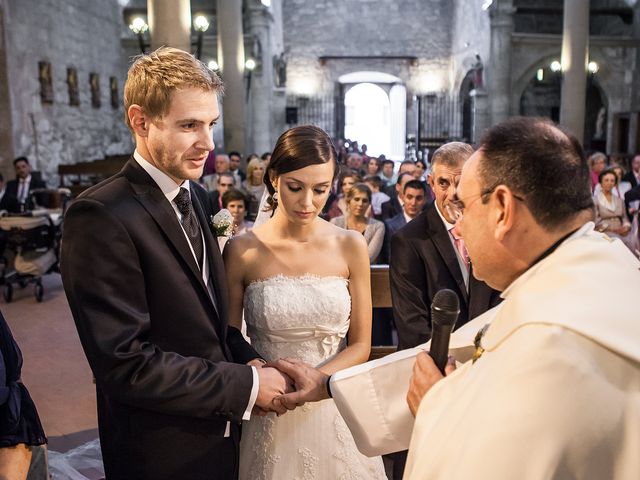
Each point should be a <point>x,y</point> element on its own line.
<point>241,350</point>
<point>408,291</point>
<point>105,285</point>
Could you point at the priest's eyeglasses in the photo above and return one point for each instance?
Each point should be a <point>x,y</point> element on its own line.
<point>455,208</point>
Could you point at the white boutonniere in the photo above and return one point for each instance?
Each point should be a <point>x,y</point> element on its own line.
<point>222,223</point>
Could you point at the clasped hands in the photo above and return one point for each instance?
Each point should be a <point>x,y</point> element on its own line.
<point>286,384</point>
<point>289,383</point>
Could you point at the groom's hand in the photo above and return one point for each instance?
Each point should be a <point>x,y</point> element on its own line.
<point>273,383</point>
<point>310,383</point>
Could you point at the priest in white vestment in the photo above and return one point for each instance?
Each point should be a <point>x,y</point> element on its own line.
<point>554,391</point>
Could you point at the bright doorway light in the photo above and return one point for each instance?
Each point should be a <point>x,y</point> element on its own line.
<point>367,117</point>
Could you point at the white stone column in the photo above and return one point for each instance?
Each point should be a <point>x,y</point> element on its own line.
<point>231,60</point>
<point>170,23</point>
<point>262,84</point>
<point>499,72</point>
<point>575,55</point>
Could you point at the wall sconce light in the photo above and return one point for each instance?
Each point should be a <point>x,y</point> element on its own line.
<point>138,26</point>
<point>213,65</point>
<point>540,74</point>
<point>200,25</point>
<point>250,65</point>
<point>266,3</point>
<point>555,66</point>
<point>593,68</point>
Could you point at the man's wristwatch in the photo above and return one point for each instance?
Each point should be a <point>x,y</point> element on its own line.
<point>328,385</point>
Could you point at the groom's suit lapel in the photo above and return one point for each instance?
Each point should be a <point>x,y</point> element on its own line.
<point>156,204</point>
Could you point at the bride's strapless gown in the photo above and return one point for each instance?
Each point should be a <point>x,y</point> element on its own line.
<point>305,318</point>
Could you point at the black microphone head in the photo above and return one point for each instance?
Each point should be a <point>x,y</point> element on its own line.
<point>445,307</point>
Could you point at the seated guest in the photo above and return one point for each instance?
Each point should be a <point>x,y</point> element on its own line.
<point>24,184</point>
<point>254,186</point>
<point>236,202</point>
<point>377,197</point>
<point>373,166</point>
<point>597,163</point>
<point>223,163</point>
<point>358,200</point>
<point>235,159</point>
<point>386,173</point>
<point>621,187</point>
<point>421,171</point>
<point>393,207</point>
<point>354,163</point>
<point>414,195</point>
<point>338,206</point>
<point>611,216</point>
<point>225,181</point>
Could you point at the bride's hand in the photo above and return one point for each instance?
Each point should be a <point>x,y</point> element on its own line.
<point>310,383</point>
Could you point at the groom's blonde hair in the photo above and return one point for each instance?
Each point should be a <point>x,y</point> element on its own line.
<point>152,79</point>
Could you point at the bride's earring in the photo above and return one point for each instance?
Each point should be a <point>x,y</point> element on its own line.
<point>275,196</point>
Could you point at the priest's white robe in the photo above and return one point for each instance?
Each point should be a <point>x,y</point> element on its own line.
<point>556,393</point>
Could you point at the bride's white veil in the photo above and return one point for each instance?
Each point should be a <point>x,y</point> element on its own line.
<point>263,215</point>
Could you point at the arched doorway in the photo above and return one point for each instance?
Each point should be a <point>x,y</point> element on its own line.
<point>375,112</point>
<point>367,117</point>
<point>541,98</point>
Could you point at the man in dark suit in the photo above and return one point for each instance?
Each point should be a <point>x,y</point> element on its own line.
<point>427,255</point>
<point>414,195</point>
<point>393,206</point>
<point>146,285</point>
<point>633,175</point>
<point>225,183</point>
<point>24,184</point>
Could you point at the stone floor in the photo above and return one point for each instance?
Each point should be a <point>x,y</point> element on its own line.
<point>55,369</point>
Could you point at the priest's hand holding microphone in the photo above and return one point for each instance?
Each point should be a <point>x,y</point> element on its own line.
<point>432,367</point>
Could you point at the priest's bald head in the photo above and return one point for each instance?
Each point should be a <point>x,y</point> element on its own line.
<point>526,187</point>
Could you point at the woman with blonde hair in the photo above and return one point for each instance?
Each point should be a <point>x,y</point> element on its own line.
<point>254,186</point>
<point>358,200</point>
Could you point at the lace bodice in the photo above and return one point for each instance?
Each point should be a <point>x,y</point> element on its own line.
<point>305,317</point>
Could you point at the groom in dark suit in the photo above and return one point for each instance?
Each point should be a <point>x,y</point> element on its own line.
<point>146,285</point>
<point>428,255</point>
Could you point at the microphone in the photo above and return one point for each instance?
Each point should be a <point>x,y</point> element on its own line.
<point>445,308</point>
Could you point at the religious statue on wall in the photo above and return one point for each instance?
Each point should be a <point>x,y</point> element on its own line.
<point>94,82</point>
<point>478,73</point>
<point>46,82</point>
<point>72,86</point>
<point>280,70</point>
<point>113,90</point>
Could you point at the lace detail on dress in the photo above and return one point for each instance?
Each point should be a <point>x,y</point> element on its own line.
<point>304,317</point>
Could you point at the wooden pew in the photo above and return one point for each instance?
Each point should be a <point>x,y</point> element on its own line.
<point>80,176</point>
<point>380,298</point>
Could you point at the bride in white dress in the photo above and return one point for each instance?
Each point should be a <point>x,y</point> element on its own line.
<point>304,286</point>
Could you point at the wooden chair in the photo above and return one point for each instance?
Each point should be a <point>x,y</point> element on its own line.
<point>380,298</point>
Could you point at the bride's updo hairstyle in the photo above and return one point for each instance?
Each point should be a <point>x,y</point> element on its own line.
<point>297,148</point>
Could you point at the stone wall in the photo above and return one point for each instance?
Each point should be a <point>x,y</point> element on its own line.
<point>82,34</point>
<point>367,28</point>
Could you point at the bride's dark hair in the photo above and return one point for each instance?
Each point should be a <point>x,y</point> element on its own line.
<point>297,148</point>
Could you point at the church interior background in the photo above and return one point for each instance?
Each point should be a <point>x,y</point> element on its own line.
<point>402,76</point>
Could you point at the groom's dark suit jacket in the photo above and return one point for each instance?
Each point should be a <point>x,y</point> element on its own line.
<point>424,261</point>
<point>161,351</point>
